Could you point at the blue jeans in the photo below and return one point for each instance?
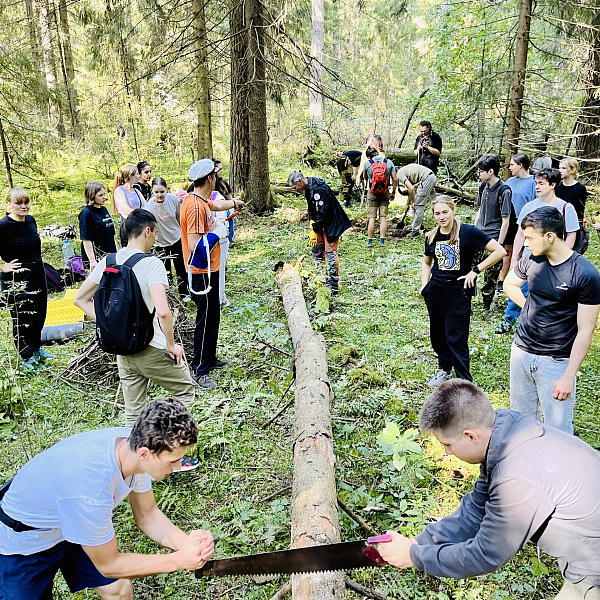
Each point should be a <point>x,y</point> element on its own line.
<point>513,310</point>
<point>532,378</point>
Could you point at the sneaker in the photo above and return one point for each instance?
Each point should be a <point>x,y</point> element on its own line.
<point>505,327</point>
<point>439,378</point>
<point>44,354</point>
<point>413,233</point>
<point>219,364</point>
<point>225,303</point>
<point>188,463</point>
<point>369,243</point>
<point>30,365</point>
<point>186,299</point>
<point>500,287</point>
<point>382,242</point>
<point>205,382</point>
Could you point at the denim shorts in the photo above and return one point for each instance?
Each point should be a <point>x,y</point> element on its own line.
<point>32,576</point>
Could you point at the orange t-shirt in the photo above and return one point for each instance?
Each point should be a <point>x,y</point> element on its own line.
<point>196,217</point>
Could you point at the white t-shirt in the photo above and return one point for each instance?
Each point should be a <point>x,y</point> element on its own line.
<point>167,215</point>
<point>69,492</point>
<point>571,220</point>
<point>148,272</point>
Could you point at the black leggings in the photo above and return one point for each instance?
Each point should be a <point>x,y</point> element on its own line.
<point>28,310</point>
<point>449,308</point>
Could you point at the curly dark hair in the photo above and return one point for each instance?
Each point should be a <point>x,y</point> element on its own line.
<point>164,424</point>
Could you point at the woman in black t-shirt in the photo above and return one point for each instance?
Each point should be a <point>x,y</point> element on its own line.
<point>448,284</point>
<point>23,278</point>
<point>575,193</point>
<point>96,227</point>
<point>143,185</point>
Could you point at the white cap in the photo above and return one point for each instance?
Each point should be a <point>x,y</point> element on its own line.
<point>201,168</point>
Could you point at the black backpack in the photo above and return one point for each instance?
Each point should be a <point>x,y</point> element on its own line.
<point>54,279</point>
<point>124,325</point>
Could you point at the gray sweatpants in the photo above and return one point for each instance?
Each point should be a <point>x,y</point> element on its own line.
<point>425,191</point>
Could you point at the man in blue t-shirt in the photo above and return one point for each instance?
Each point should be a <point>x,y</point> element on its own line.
<point>56,514</point>
<point>558,320</point>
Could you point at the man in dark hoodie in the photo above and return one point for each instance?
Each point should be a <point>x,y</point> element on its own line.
<point>328,222</point>
<point>536,483</point>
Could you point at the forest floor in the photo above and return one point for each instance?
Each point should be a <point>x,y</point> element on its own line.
<point>380,360</point>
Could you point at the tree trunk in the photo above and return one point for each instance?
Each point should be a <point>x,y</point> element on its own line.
<point>204,144</point>
<point>517,88</point>
<point>6,155</point>
<point>47,19</point>
<point>239,167</point>
<point>36,53</point>
<point>69,67</point>
<point>314,499</point>
<point>588,122</point>
<point>258,190</point>
<point>315,91</point>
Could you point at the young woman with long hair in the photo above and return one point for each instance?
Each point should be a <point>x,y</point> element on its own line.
<point>572,191</point>
<point>125,197</point>
<point>448,278</point>
<point>165,207</point>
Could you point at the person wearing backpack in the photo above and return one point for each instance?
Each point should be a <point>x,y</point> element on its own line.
<point>138,326</point>
<point>495,209</point>
<point>379,172</point>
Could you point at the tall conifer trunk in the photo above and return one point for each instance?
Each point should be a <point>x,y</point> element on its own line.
<point>517,88</point>
<point>240,143</point>
<point>34,42</point>
<point>258,190</point>
<point>204,124</point>
<point>316,64</point>
<point>69,67</point>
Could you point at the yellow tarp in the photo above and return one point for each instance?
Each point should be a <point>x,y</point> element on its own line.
<point>63,312</point>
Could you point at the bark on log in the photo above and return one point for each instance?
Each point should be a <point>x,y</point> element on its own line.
<point>314,498</point>
<point>454,192</point>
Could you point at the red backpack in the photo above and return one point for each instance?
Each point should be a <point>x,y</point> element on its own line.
<point>379,178</point>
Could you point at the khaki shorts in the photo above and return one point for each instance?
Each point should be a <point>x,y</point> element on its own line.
<point>375,203</point>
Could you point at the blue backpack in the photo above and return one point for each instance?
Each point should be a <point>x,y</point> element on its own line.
<point>124,325</point>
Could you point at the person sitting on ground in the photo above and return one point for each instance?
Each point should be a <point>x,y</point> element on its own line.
<point>575,193</point>
<point>495,215</point>
<point>536,484</point>
<point>420,182</point>
<point>143,184</point>
<point>447,284</point>
<point>166,208</point>
<point>57,513</point>
<point>125,197</point>
<point>347,165</point>
<point>546,182</point>
<point>558,321</point>
<point>428,146</point>
<point>163,360</point>
<point>96,227</point>
<point>23,280</point>
<point>522,185</point>
<point>379,179</point>
<point>327,220</point>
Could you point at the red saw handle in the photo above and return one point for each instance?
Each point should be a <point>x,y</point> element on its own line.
<point>371,552</point>
<point>237,212</point>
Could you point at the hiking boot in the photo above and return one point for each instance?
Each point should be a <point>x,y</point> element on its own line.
<point>188,463</point>
<point>206,382</point>
<point>413,233</point>
<point>440,378</point>
<point>219,364</point>
<point>369,244</point>
<point>505,327</point>
<point>43,354</point>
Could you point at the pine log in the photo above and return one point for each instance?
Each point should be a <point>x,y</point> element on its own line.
<point>314,498</point>
<point>454,192</point>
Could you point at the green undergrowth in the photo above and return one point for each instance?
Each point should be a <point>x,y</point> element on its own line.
<point>380,358</point>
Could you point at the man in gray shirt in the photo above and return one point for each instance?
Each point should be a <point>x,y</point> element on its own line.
<point>494,202</point>
<point>536,484</point>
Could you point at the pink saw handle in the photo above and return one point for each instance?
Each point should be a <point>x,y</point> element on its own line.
<point>379,539</point>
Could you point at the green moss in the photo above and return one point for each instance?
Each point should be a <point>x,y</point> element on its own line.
<point>364,377</point>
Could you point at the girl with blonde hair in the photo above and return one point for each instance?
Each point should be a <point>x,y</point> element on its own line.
<point>572,191</point>
<point>448,278</point>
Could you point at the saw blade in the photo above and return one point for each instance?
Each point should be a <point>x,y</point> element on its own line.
<point>330,557</point>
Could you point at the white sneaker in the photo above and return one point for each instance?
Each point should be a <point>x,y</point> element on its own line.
<point>225,303</point>
<point>439,378</point>
<point>186,299</point>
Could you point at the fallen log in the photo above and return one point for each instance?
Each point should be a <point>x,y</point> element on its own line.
<point>454,192</point>
<point>314,499</point>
